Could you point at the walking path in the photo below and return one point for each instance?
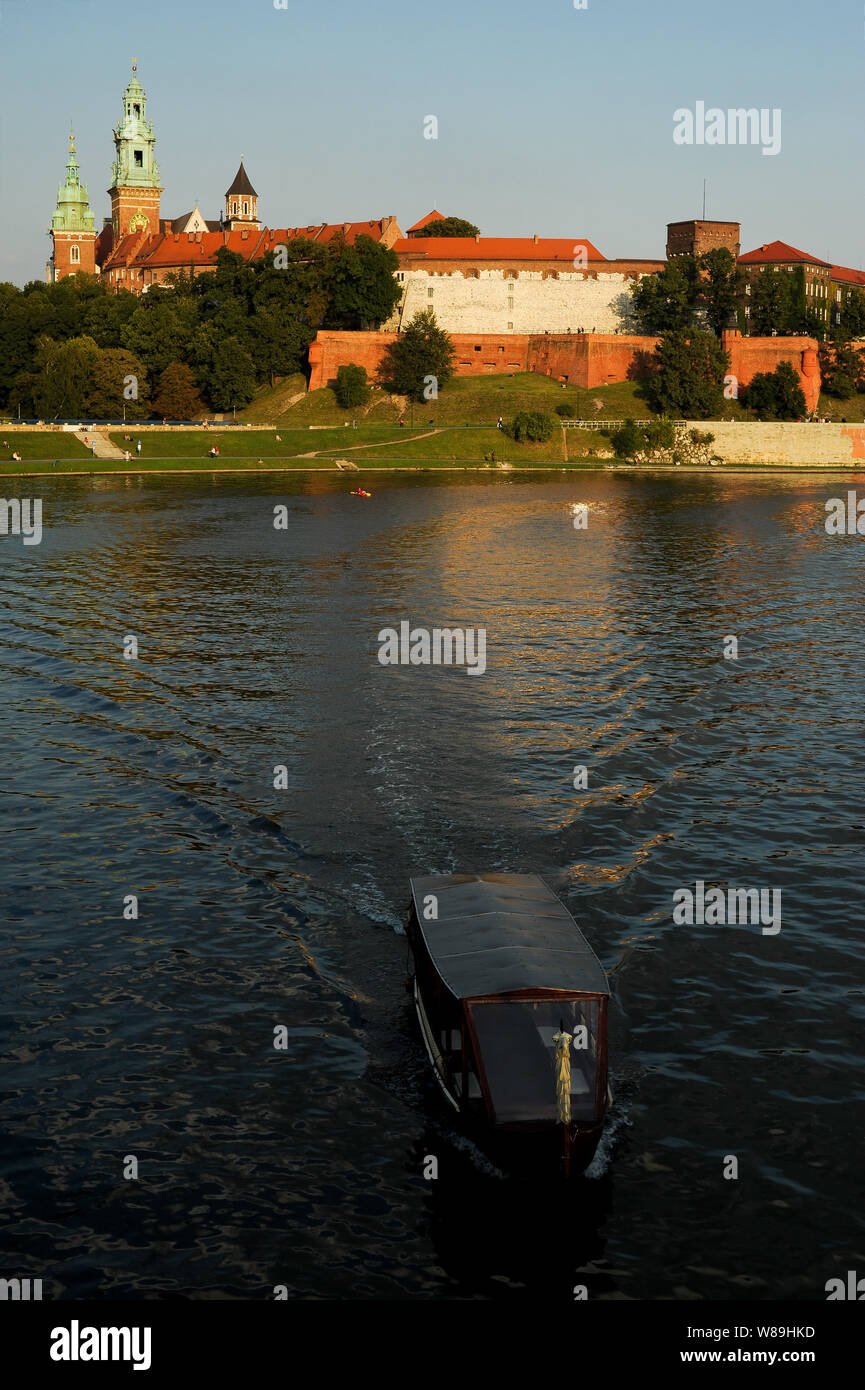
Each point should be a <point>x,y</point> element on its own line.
<point>104,448</point>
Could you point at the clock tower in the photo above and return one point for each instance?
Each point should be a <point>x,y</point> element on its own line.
<point>135,186</point>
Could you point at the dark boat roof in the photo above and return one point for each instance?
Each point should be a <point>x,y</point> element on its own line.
<point>501,932</point>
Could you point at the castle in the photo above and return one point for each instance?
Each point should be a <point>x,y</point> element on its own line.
<point>136,248</point>
<point>554,305</point>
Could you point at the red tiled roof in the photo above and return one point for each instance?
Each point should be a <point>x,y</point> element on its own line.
<point>778,251</point>
<point>433,216</point>
<point>491,248</point>
<point>846,276</point>
<point>167,248</point>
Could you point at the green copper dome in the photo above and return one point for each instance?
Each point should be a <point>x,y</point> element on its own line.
<point>73,206</point>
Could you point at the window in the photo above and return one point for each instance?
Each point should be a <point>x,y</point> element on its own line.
<point>477,347</point>
<point>510,301</point>
<point>245,209</point>
<point>510,325</point>
<point>430,293</point>
<point>510,287</point>
<point>74,254</point>
<point>139,159</point>
<point>136,109</point>
<point>234,208</point>
<point>516,1042</point>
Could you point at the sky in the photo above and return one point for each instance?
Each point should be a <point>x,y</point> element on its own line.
<point>552,120</point>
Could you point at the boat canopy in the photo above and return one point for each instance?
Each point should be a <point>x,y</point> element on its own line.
<point>497,933</point>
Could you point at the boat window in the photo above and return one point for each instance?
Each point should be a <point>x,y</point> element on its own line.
<point>516,1043</point>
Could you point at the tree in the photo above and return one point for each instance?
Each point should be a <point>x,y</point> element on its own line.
<point>352,385</point>
<point>722,284</point>
<point>666,302</point>
<point>776,395</point>
<point>360,284</point>
<point>159,331</point>
<point>421,359</point>
<point>177,395</point>
<point>62,376</point>
<point>770,303</point>
<point>531,426</point>
<point>840,366</point>
<point>118,384</point>
<point>689,376</point>
<point>230,380</point>
<point>447,226</point>
<point>852,314</point>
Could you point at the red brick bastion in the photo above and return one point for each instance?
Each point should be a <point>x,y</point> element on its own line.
<point>580,359</point>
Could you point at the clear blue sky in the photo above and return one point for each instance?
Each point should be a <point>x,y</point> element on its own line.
<point>552,120</point>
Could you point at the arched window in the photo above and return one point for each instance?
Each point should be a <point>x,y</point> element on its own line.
<point>74,254</point>
<point>245,208</point>
<point>234,208</point>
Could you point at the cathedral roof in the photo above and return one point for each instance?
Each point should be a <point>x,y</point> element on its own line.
<point>241,184</point>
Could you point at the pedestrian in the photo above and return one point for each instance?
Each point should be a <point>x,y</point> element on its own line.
<point>499,425</point>
<point>138,448</point>
<point>126,455</point>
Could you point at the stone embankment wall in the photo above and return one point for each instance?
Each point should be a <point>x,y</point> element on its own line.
<point>817,445</point>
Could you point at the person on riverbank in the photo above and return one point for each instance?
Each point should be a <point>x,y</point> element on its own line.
<point>138,448</point>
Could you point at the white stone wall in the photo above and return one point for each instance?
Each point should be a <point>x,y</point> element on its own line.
<point>535,304</point>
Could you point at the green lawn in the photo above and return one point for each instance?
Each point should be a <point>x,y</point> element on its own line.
<point>465,400</point>
<point>42,448</point>
<point>853,410</point>
<point>244,443</point>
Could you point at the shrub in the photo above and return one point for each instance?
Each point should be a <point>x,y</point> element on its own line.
<point>531,426</point>
<point>352,385</point>
<point>566,411</point>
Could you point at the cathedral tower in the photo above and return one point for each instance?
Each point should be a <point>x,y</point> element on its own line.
<point>135,186</point>
<point>241,203</point>
<point>72,230</point>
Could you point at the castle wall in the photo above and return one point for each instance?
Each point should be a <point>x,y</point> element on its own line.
<point>530,301</point>
<point>585,360</point>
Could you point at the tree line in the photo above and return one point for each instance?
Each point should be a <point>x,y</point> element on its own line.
<point>198,342</point>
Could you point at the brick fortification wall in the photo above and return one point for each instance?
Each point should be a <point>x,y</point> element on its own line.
<point>586,360</point>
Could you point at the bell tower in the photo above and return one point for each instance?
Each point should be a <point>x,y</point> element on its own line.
<point>72,229</point>
<point>135,186</point>
<point>241,203</point>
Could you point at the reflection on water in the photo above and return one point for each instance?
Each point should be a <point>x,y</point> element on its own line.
<point>262,909</point>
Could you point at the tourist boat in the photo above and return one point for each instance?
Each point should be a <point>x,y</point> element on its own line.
<point>512,1005</point>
